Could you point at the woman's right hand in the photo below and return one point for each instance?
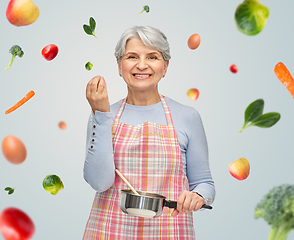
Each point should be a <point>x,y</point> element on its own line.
<point>96,94</point>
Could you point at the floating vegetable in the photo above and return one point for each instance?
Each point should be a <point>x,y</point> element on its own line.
<point>285,77</point>
<point>234,68</point>
<point>194,41</point>
<point>90,29</point>
<point>251,17</point>
<point>15,50</point>
<point>52,184</point>
<point>27,97</point>
<point>277,209</point>
<point>145,8</point>
<point>253,114</point>
<point>49,52</point>
<point>9,189</point>
<point>193,93</point>
<point>16,224</point>
<point>14,149</point>
<point>88,66</point>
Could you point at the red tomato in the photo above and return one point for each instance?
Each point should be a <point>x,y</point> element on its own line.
<point>194,41</point>
<point>16,224</point>
<point>234,68</point>
<point>49,52</point>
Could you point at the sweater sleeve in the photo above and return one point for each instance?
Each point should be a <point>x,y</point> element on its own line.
<point>99,169</point>
<point>198,171</point>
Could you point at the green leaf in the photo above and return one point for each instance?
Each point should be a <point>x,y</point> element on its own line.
<point>92,24</point>
<point>11,191</point>
<point>87,29</point>
<point>254,110</point>
<point>266,120</point>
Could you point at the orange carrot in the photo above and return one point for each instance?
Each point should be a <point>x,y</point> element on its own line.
<point>27,97</point>
<point>285,77</point>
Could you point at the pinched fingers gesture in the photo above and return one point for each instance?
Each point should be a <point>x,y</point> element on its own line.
<point>96,94</point>
<point>188,202</point>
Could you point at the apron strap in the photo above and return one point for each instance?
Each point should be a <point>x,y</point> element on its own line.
<point>119,112</point>
<point>167,111</point>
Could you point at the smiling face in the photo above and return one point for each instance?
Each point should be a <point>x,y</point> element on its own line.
<point>141,67</point>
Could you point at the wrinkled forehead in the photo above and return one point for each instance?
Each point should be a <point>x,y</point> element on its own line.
<point>135,44</point>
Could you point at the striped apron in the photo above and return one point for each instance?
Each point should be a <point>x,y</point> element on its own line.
<point>149,157</point>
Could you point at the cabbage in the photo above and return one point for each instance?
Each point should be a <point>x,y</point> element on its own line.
<point>251,17</point>
<point>52,184</point>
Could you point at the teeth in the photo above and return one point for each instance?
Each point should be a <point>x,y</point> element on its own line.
<point>137,75</point>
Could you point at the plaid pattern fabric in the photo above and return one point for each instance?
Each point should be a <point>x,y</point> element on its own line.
<point>149,157</point>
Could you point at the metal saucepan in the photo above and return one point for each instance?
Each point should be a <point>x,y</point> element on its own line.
<point>146,204</point>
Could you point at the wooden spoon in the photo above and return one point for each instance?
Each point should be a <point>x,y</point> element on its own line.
<point>126,181</point>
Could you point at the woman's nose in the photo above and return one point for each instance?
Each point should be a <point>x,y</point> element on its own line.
<point>142,64</point>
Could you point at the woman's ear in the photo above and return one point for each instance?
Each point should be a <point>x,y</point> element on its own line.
<point>165,66</point>
<point>119,66</point>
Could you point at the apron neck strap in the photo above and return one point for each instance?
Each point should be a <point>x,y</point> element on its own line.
<point>166,111</point>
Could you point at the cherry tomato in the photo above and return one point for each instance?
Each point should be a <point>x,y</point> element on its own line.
<point>49,52</point>
<point>194,41</point>
<point>16,224</point>
<point>234,68</point>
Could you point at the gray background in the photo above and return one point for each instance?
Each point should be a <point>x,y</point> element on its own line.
<point>60,96</point>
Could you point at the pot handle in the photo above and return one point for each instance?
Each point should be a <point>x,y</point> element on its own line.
<point>206,206</point>
<point>170,204</point>
<point>173,204</point>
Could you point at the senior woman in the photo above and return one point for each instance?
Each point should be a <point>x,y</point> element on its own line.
<point>158,144</point>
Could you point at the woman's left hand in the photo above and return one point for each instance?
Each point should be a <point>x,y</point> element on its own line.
<point>188,202</point>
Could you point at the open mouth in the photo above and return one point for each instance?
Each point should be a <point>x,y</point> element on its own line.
<point>141,75</point>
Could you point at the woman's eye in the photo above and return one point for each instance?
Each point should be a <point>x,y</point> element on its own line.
<point>153,57</point>
<point>131,57</point>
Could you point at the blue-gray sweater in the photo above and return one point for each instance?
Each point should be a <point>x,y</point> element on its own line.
<point>99,169</point>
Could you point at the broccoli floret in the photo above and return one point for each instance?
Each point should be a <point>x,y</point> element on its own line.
<point>15,50</point>
<point>277,209</point>
<point>145,8</point>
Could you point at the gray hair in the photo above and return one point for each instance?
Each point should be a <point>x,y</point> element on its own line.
<point>151,37</point>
